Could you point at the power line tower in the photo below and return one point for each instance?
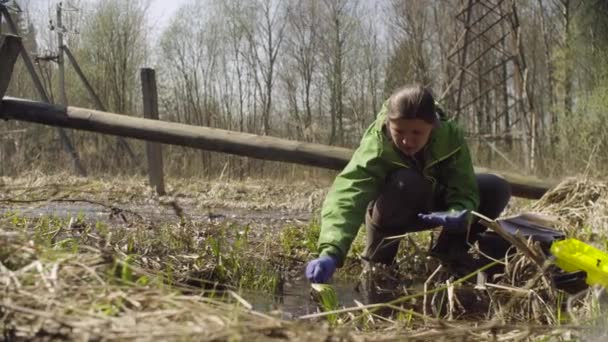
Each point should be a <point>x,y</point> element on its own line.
<point>489,85</point>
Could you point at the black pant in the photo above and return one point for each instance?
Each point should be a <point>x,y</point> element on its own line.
<point>407,193</point>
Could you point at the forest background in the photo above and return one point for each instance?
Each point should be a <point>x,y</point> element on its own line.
<point>319,71</point>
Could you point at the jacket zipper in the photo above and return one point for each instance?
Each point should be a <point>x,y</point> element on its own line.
<point>442,158</point>
<point>425,171</point>
<point>428,166</point>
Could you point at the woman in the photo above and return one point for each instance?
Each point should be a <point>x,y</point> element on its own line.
<point>412,171</point>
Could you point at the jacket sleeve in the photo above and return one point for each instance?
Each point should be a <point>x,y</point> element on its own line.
<point>346,202</point>
<point>461,185</point>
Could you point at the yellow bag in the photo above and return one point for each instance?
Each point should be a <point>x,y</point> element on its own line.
<point>574,255</point>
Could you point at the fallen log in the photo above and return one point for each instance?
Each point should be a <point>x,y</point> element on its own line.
<point>213,139</point>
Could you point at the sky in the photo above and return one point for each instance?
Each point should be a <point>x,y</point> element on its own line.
<point>160,11</point>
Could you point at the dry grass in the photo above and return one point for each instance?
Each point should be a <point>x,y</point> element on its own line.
<point>73,296</point>
<point>253,194</point>
<point>581,204</point>
<point>133,278</point>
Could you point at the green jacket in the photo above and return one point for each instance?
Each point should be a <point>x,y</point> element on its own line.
<point>447,165</point>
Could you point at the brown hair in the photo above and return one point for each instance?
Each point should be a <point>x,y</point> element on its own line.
<point>412,102</point>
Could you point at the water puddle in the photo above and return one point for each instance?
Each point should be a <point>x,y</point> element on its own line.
<point>296,298</point>
<point>58,209</point>
<point>100,212</point>
<point>297,301</point>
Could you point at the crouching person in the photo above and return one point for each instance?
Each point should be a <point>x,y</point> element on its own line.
<point>412,171</point>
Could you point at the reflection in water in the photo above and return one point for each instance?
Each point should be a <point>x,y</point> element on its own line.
<point>296,300</point>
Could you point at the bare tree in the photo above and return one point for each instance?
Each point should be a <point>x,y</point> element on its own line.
<point>235,66</point>
<point>265,37</point>
<point>191,49</point>
<point>566,11</point>
<point>366,67</point>
<point>339,25</point>
<point>302,49</point>
<point>114,46</point>
<point>411,31</point>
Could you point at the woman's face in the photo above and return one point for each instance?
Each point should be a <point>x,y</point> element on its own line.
<point>409,135</point>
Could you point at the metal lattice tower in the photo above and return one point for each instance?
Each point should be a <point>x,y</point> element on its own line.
<point>489,61</point>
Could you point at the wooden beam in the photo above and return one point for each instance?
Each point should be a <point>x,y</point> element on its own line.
<point>212,139</point>
<point>10,46</point>
<point>153,150</point>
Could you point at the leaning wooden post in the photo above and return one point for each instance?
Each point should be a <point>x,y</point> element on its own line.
<point>96,99</point>
<point>153,150</point>
<point>9,50</point>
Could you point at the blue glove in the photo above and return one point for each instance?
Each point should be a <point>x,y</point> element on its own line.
<point>455,221</point>
<point>321,269</point>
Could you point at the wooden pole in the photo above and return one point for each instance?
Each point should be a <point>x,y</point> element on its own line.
<point>63,136</point>
<point>153,150</point>
<point>9,50</point>
<point>63,98</point>
<point>212,139</point>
